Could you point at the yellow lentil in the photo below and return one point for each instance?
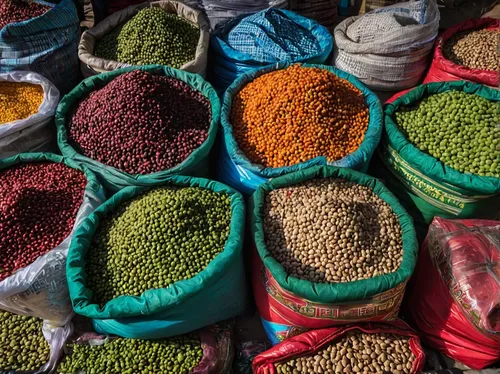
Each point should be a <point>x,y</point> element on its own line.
<point>19,100</point>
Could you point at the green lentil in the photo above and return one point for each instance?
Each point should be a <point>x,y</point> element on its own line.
<point>177,355</point>
<point>107,46</point>
<point>153,36</point>
<point>158,238</point>
<point>22,344</point>
<point>457,128</point>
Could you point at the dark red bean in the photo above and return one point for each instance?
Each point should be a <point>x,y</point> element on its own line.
<point>141,123</point>
<point>38,206</point>
<point>19,10</point>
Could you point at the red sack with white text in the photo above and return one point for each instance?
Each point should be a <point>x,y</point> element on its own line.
<point>312,341</point>
<point>443,70</point>
<point>454,295</point>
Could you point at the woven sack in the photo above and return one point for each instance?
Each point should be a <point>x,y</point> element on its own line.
<point>388,49</point>
<point>91,64</point>
<point>324,12</point>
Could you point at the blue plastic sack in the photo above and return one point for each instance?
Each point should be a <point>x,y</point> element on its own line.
<point>47,45</point>
<point>236,170</point>
<point>270,36</point>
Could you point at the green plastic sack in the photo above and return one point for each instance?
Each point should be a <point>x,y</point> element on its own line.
<point>40,289</point>
<point>290,305</point>
<point>113,179</point>
<point>216,293</point>
<point>426,186</point>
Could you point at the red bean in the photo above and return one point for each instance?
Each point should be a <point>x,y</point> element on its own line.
<point>19,10</point>
<point>141,123</point>
<point>38,206</point>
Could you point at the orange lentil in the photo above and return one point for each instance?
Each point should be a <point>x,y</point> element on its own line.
<point>19,100</point>
<point>295,114</point>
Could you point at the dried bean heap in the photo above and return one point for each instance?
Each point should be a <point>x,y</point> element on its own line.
<point>356,352</point>
<point>332,230</point>
<point>22,344</point>
<point>141,123</point>
<point>13,11</point>
<point>177,355</point>
<point>153,36</point>
<point>459,129</point>
<point>475,49</point>
<point>157,239</point>
<point>293,115</point>
<point>19,100</point>
<point>38,206</point>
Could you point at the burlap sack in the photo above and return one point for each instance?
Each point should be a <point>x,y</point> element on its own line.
<point>91,64</point>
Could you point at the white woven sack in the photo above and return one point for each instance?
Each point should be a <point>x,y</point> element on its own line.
<point>388,48</point>
<point>91,64</point>
<point>35,133</point>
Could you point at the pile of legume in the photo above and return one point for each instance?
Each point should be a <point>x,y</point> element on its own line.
<point>356,352</point>
<point>332,230</point>
<point>177,355</point>
<point>476,49</point>
<point>22,344</point>
<point>13,11</point>
<point>141,123</point>
<point>457,128</point>
<point>157,239</point>
<point>38,207</point>
<point>19,100</point>
<point>153,36</point>
<point>293,115</point>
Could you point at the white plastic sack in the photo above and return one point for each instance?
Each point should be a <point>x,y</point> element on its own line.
<point>91,64</point>
<point>388,48</point>
<point>41,289</point>
<point>56,337</point>
<point>37,132</point>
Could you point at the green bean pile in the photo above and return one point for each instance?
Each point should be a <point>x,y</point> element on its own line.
<point>177,355</point>
<point>457,128</point>
<point>22,344</point>
<point>157,239</point>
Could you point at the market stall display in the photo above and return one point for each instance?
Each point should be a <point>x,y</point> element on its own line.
<point>43,197</point>
<point>159,121</point>
<point>28,103</point>
<point>42,38</point>
<point>388,49</point>
<point>467,51</point>
<point>270,36</point>
<point>454,297</point>
<point>333,239</point>
<point>446,161</point>
<point>193,257</point>
<point>365,348</point>
<point>287,117</point>
<point>163,32</point>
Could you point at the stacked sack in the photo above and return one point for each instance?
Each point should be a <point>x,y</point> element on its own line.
<point>388,49</point>
<point>28,103</point>
<point>43,199</point>
<point>163,32</point>
<point>323,11</point>
<point>268,37</point>
<point>332,247</point>
<point>300,98</point>
<point>467,51</point>
<point>221,11</point>
<point>41,37</point>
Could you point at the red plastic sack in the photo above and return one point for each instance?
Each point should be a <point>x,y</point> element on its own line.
<point>395,96</point>
<point>312,341</point>
<point>443,70</point>
<point>454,295</point>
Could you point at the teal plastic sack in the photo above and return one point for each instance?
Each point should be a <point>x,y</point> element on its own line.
<point>235,169</point>
<point>113,179</point>
<point>426,187</point>
<point>47,45</point>
<point>270,36</point>
<point>216,293</point>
